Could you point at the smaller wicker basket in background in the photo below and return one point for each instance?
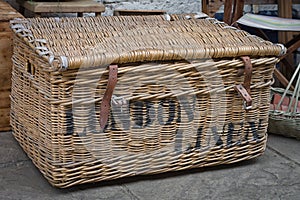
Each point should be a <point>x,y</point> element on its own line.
<point>285,109</point>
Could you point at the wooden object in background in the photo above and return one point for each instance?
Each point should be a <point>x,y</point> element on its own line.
<point>285,11</point>
<point>119,12</point>
<point>78,7</point>
<point>210,7</point>
<point>6,14</point>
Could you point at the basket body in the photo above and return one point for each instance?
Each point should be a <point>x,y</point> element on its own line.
<point>166,114</point>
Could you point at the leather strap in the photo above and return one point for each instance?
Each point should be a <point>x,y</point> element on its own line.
<point>244,90</point>
<point>248,73</point>
<point>245,95</point>
<point>105,104</point>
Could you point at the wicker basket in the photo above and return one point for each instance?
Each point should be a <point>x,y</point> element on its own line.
<point>285,109</point>
<point>108,97</point>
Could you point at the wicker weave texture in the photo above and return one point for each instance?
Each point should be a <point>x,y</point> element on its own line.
<point>169,111</point>
<point>98,41</point>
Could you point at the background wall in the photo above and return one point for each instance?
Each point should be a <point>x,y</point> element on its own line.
<point>171,6</point>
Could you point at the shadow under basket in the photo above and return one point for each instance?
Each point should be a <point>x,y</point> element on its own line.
<point>108,97</point>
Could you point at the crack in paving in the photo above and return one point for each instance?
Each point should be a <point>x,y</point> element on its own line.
<point>128,191</point>
<point>14,164</point>
<point>271,173</point>
<point>291,185</point>
<point>282,155</point>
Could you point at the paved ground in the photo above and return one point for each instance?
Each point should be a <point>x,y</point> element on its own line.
<point>274,175</point>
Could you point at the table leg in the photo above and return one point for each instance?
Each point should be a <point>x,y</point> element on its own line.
<point>285,11</point>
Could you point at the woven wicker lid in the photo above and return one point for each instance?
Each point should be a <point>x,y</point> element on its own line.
<point>94,41</point>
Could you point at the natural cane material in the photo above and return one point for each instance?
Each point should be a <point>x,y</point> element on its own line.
<point>173,107</point>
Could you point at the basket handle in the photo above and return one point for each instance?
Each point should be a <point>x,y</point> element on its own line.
<point>105,104</point>
<point>292,109</point>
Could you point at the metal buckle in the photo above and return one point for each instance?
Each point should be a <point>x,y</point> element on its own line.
<point>247,104</point>
<point>246,107</point>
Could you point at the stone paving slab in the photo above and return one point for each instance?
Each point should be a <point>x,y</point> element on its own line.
<point>10,152</point>
<point>268,177</point>
<point>287,147</point>
<point>274,175</point>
